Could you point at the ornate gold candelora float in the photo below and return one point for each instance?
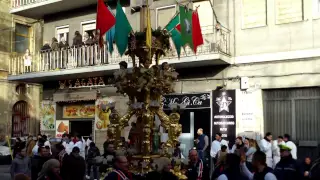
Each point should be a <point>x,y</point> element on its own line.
<point>145,84</point>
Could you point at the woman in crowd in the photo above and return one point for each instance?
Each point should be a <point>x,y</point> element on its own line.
<point>249,154</point>
<point>50,170</point>
<point>232,171</point>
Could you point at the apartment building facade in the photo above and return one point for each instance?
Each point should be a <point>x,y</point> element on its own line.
<point>19,102</point>
<point>271,44</point>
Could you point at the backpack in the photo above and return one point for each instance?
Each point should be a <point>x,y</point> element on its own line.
<point>92,153</point>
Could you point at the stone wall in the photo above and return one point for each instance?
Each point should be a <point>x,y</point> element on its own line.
<point>9,97</point>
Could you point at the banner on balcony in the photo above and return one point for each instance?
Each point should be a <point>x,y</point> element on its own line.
<point>103,112</point>
<point>78,111</point>
<point>190,101</point>
<point>48,116</point>
<point>62,127</point>
<point>224,114</point>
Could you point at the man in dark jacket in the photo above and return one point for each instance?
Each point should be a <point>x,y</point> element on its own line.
<point>74,166</point>
<point>120,171</point>
<point>93,152</point>
<point>196,168</point>
<point>287,168</point>
<point>38,160</point>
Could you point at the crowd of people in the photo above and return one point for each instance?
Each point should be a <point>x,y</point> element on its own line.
<point>75,159</point>
<point>265,159</point>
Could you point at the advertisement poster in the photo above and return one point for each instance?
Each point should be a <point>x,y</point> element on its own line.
<point>224,114</point>
<point>249,111</point>
<point>48,116</point>
<point>103,112</point>
<point>78,111</point>
<point>62,128</point>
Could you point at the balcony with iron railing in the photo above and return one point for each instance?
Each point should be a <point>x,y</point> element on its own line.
<point>88,60</point>
<point>38,8</point>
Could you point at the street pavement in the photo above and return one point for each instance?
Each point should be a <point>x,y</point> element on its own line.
<point>5,172</point>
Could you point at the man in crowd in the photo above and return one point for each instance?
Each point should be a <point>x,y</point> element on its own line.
<point>287,168</point>
<point>262,171</point>
<point>38,160</point>
<point>291,145</point>
<point>108,156</point>
<point>216,146</point>
<point>196,169</point>
<point>20,164</point>
<point>276,150</point>
<point>74,166</point>
<point>40,143</point>
<point>266,147</point>
<point>202,143</point>
<point>120,172</point>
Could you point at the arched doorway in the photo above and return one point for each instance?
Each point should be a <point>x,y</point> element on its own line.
<point>20,119</point>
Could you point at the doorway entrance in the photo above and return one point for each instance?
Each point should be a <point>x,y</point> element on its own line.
<point>81,127</point>
<point>20,119</point>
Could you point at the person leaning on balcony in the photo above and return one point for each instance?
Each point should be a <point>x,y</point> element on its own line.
<point>63,44</point>
<point>46,47</point>
<point>77,39</point>
<point>54,44</point>
<point>27,61</point>
<point>87,40</point>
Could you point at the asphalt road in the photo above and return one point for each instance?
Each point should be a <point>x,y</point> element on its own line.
<point>5,172</point>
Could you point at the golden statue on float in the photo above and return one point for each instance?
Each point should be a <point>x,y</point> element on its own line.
<point>145,84</point>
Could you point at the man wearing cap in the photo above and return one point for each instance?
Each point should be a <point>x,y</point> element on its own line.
<point>287,168</point>
<point>289,143</point>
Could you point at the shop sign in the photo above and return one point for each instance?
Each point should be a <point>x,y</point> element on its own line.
<point>78,111</point>
<point>62,127</point>
<point>190,101</point>
<point>82,83</point>
<point>224,114</point>
<point>75,96</point>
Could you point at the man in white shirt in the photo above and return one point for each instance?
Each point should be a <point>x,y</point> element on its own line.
<point>291,145</point>
<point>216,146</point>
<point>266,147</point>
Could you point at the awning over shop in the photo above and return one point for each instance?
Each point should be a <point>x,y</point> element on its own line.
<point>75,96</point>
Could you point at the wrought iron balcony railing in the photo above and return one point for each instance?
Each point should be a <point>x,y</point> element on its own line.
<point>21,3</point>
<point>88,56</point>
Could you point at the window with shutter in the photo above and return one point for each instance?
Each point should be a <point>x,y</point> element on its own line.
<point>164,15</point>
<point>254,13</point>
<point>288,11</point>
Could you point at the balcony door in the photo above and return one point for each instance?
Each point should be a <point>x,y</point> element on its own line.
<point>62,32</point>
<point>88,27</point>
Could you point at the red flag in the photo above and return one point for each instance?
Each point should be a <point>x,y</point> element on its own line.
<point>196,31</point>
<point>105,19</point>
<point>178,27</point>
